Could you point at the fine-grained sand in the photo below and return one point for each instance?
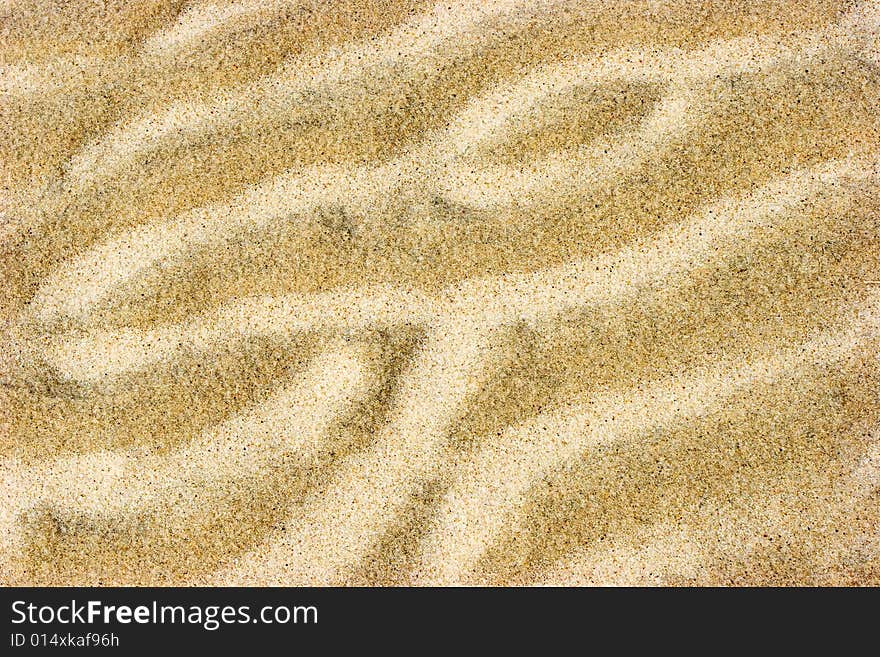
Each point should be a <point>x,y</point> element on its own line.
<point>481,292</point>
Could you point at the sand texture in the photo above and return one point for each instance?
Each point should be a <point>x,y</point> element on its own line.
<point>483,292</point>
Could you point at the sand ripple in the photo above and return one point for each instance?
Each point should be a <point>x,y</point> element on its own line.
<point>307,292</point>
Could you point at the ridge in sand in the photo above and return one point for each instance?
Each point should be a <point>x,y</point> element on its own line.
<point>394,292</point>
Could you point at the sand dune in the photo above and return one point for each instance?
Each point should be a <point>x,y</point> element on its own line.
<point>393,292</point>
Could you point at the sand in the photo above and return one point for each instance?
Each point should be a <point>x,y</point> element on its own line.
<point>482,292</point>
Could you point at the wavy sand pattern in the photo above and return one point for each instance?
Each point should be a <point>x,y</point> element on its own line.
<point>481,292</point>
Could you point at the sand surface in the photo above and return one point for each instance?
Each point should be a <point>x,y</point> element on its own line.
<point>482,292</point>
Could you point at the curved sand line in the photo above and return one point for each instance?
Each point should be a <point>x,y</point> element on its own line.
<point>493,485</point>
<point>708,178</point>
<point>111,265</point>
<point>532,298</point>
<point>119,484</point>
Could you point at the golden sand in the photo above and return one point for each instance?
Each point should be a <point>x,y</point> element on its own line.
<point>481,292</point>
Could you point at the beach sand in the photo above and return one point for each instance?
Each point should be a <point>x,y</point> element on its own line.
<point>399,293</point>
